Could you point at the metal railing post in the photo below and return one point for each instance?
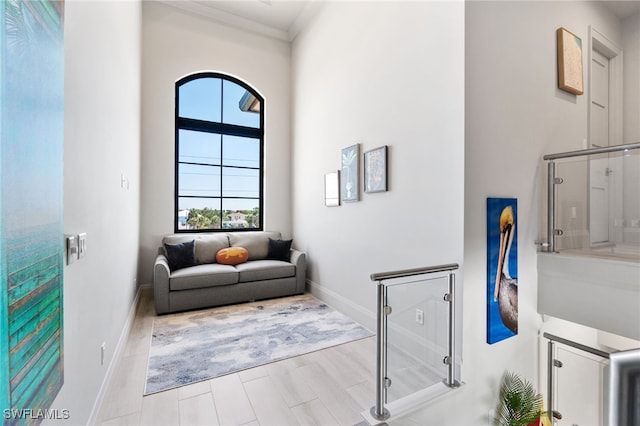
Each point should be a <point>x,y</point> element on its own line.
<point>450,360</point>
<point>551,206</point>
<point>378,411</point>
<point>550,380</point>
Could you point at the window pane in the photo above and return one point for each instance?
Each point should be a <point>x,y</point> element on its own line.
<point>240,213</point>
<point>241,152</point>
<point>200,99</point>
<point>240,182</point>
<point>199,213</point>
<point>200,181</point>
<point>199,147</point>
<point>232,114</point>
<point>218,168</point>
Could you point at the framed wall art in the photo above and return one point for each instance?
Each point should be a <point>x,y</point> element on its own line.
<point>569,62</point>
<point>332,189</point>
<point>349,173</point>
<point>375,170</point>
<point>502,269</point>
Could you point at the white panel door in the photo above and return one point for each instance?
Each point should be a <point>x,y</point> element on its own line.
<point>599,170</point>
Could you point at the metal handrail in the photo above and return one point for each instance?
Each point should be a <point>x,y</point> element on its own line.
<point>592,151</point>
<point>381,276</point>
<point>552,362</point>
<point>378,411</point>
<point>552,181</point>
<point>576,345</point>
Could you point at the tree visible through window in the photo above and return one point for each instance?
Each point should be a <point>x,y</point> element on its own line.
<point>219,154</point>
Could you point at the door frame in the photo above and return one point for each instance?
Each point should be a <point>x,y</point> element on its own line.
<point>600,42</point>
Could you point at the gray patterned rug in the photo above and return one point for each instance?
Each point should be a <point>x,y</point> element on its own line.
<point>193,346</point>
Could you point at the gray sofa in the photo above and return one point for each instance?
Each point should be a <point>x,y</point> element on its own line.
<point>208,283</point>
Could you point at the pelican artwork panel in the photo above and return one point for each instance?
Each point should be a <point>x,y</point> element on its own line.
<point>502,269</point>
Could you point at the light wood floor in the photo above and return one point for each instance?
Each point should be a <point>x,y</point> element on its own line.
<point>328,387</point>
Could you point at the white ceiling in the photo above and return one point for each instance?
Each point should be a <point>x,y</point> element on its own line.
<point>283,19</point>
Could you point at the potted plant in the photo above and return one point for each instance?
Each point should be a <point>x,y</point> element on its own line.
<point>520,404</point>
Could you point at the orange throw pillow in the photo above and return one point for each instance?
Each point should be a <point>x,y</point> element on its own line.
<point>232,256</point>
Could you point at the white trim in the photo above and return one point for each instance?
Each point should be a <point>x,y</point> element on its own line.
<point>602,44</point>
<point>228,19</point>
<point>124,335</point>
<point>340,303</point>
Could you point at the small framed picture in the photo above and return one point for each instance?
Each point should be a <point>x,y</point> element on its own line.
<point>375,170</point>
<point>349,173</point>
<point>332,189</point>
<point>569,62</point>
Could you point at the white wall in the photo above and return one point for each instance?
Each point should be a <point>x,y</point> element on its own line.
<point>380,73</point>
<point>631,196</point>
<point>102,141</point>
<point>175,44</point>
<point>514,115</point>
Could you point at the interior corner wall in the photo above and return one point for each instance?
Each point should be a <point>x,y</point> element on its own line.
<point>514,115</point>
<point>380,73</point>
<point>101,143</point>
<point>176,44</point>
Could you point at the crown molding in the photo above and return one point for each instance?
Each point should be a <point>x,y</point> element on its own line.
<point>228,19</point>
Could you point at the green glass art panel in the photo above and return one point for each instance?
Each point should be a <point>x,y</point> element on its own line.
<point>31,231</point>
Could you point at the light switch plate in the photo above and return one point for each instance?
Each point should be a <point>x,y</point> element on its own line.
<point>72,248</point>
<point>82,245</point>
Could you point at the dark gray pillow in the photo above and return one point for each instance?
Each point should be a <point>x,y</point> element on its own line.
<point>181,255</point>
<point>279,249</point>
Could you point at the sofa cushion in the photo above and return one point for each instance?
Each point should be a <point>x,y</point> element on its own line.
<point>199,276</point>
<point>180,255</point>
<point>178,238</point>
<point>256,242</point>
<point>207,245</point>
<point>265,270</point>
<point>279,249</point>
<point>232,256</point>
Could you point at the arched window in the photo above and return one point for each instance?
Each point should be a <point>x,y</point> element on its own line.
<point>219,154</point>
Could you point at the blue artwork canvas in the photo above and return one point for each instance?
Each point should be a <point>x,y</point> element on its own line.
<point>31,232</point>
<point>502,269</point>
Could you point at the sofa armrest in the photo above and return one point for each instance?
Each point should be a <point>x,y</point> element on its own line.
<point>161,274</point>
<point>299,259</point>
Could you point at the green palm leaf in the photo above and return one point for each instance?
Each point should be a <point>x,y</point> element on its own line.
<point>519,404</point>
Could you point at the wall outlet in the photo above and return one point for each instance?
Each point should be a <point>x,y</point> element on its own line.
<point>420,316</point>
<point>103,349</point>
<point>491,417</point>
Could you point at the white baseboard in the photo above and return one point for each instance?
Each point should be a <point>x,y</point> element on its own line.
<point>346,306</point>
<point>124,335</point>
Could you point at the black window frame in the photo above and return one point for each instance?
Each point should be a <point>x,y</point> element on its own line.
<point>222,129</point>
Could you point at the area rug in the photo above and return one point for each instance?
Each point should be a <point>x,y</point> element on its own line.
<point>193,346</point>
